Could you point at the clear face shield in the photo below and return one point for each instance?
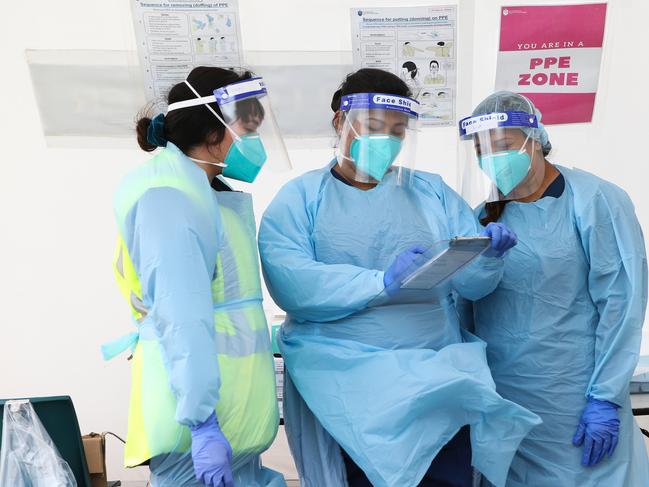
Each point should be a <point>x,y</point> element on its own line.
<point>248,116</point>
<point>500,157</point>
<point>378,137</point>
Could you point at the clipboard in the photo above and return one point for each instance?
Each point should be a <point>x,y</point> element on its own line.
<point>421,282</point>
<point>460,251</point>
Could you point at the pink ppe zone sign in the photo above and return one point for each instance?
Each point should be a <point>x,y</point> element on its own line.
<point>552,55</point>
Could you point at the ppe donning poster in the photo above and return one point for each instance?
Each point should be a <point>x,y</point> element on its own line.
<point>175,37</point>
<point>419,45</point>
<point>552,55</point>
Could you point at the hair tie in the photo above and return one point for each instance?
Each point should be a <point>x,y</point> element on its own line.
<point>155,134</point>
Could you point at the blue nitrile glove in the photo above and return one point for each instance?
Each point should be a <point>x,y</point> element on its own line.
<point>211,454</point>
<point>502,239</point>
<point>401,263</point>
<point>598,431</point>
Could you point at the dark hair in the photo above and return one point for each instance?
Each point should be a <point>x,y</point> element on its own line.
<point>370,80</point>
<point>412,67</point>
<point>433,61</point>
<point>193,126</point>
<point>493,212</point>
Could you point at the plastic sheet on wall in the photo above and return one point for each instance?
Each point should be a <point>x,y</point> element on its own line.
<point>99,93</point>
<point>301,97</point>
<point>86,93</point>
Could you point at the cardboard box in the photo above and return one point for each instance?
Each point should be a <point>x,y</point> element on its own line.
<point>95,448</point>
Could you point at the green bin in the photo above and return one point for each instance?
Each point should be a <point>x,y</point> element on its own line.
<point>60,420</point>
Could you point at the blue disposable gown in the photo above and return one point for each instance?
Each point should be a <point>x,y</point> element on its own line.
<point>565,323</point>
<point>174,249</point>
<point>391,384</point>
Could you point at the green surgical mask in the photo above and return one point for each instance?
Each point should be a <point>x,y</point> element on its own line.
<point>245,158</point>
<point>374,154</point>
<point>507,169</point>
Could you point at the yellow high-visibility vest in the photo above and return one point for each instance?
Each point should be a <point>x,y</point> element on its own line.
<point>247,406</point>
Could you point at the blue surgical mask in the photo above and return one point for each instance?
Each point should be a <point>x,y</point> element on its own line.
<point>245,158</point>
<point>374,154</point>
<point>507,169</point>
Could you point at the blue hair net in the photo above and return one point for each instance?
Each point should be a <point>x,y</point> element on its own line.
<point>155,134</point>
<point>507,101</point>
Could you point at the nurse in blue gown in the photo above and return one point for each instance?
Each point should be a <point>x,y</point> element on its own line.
<point>394,394</point>
<point>563,327</point>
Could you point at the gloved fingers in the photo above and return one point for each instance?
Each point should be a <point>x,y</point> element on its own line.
<point>578,439</point>
<point>228,481</point>
<point>510,238</point>
<point>496,237</point>
<point>201,475</point>
<point>214,479</point>
<point>587,451</point>
<point>205,478</point>
<point>596,450</point>
<point>417,249</point>
<point>611,449</point>
<point>606,445</point>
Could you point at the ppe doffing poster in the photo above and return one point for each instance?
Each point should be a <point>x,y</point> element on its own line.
<point>419,45</point>
<point>173,37</point>
<point>552,55</point>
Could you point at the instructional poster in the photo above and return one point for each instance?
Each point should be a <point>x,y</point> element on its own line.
<point>173,37</point>
<point>419,45</point>
<point>552,55</point>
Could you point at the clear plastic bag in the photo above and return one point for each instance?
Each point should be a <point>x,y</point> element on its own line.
<point>28,456</point>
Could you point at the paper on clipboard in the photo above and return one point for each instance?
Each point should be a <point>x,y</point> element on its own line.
<point>444,264</point>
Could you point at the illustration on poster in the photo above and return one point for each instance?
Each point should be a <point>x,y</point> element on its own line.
<point>418,45</point>
<point>435,76</point>
<point>441,49</point>
<point>409,50</point>
<point>552,79</point>
<point>213,45</point>
<point>410,74</point>
<point>205,21</point>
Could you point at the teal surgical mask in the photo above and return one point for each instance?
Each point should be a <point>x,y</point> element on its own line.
<point>374,154</point>
<point>507,169</point>
<point>245,158</point>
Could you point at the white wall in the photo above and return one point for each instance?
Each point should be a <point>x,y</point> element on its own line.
<point>58,302</point>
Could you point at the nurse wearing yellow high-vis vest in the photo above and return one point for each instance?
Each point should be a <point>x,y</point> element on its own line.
<point>203,405</point>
